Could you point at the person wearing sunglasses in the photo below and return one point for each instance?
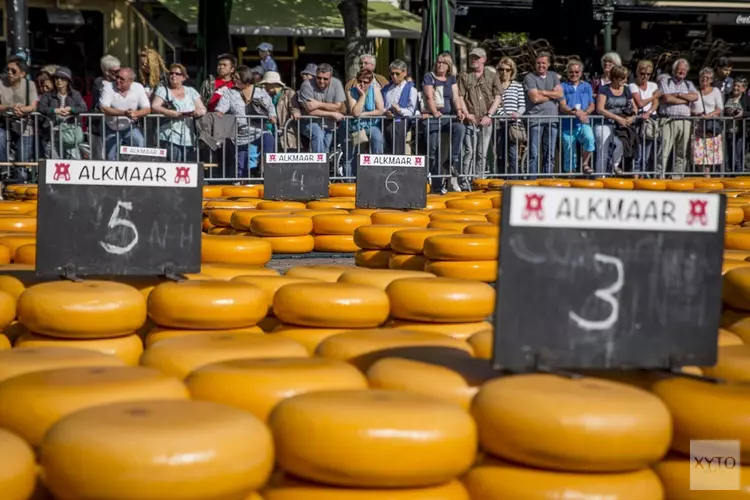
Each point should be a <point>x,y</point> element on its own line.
<point>400,101</point>
<point>18,99</point>
<point>123,106</point>
<point>646,95</point>
<point>178,103</point>
<point>324,101</point>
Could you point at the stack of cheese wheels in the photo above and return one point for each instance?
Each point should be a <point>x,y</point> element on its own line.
<point>95,315</point>
<point>436,443</point>
<point>465,256</point>
<point>287,233</point>
<point>312,312</point>
<point>607,460</point>
<point>407,246</point>
<point>205,308</point>
<point>454,307</point>
<point>235,249</point>
<point>335,232</point>
<point>342,190</point>
<point>374,242</point>
<point>231,451</point>
<point>731,400</point>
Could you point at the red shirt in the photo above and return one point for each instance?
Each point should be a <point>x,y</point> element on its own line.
<point>216,97</point>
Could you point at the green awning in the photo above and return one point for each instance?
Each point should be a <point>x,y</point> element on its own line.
<point>311,18</point>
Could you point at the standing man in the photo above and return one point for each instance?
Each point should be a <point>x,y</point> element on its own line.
<point>266,61</point>
<point>677,95</point>
<point>543,93</point>
<point>481,93</point>
<point>124,105</point>
<point>367,62</point>
<point>400,102</point>
<point>323,98</point>
<point>724,80</point>
<point>213,86</point>
<point>577,101</point>
<point>18,98</point>
<point>110,66</point>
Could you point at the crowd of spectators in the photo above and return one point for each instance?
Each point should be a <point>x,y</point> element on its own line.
<point>483,121</point>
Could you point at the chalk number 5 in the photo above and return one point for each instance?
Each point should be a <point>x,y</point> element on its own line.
<point>607,295</point>
<point>116,221</point>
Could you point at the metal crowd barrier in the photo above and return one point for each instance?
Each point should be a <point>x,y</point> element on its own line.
<point>522,147</point>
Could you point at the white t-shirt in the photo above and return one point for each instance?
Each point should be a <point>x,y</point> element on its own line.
<point>713,101</point>
<point>135,99</point>
<point>651,87</point>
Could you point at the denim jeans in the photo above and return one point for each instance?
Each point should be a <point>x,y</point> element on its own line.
<point>259,147</point>
<point>573,133</point>
<point>320,138</point>
<point>24,148</point>
<point>178,153</point>
<point>542,132</point>
<point>642,154</point>
<point>375,144</point>
<point>129,137</point>
<point>506,151</point>
<point>436,128</point>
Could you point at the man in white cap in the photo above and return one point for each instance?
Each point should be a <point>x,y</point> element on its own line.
<point>266,61</point>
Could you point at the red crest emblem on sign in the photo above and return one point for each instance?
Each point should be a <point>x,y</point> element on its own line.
<point>320,157</point>
<point>366,159</point>
<point>183,173</point>
<point>62,170</point>
<point>534,207</point>
<point>271,157</point>
<point>418,161</point>
<point>697,212</point>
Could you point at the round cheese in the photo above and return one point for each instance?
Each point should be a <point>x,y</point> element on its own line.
<point>244,250</point>
<point>18,473</point>
<point>291,244</point>
<point>271,284</point>
<point>411,440</point>
<point>276,205</point>
<point>229,271</point>
<point>481,342</point>
<point>88,309</point>
<point>376,237</point>
<point>157,334</point>
<point>400,218</point>
<point>677,474</point>
<point>318,272</point>
<point>461,247</point>
<point>342,189</point>
<point>25,254</point>
<point>411,241</point>
<point>379,278</point>
<point>310,338</point>
<point>441,300</point>
<point>128,348</point>
<point>407,262</point>
<point>281,225</point>
<point>586,183</point>
<point>479,270</point>
<point>375,259</point>
<point>214,452</point>
<point>14,362</point>
<point>338,223</point>
<point>335,243</point>
<point>459,331</point>
<point>488,229</point>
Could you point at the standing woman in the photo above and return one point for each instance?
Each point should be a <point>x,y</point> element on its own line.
<point>615,103</point>
<point>152,72</point>
<point>179,103</point>
<point>61,106</point>
<point>511,132</point>
<point>737,107</point>
<point>646,96</point>
<point>609,61</point>
<point>708,149</point>
<point>364,100</point>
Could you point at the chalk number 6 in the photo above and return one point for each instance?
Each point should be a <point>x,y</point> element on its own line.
<point>116,221</point>
<point>605,294</point>
<point>391,186</point>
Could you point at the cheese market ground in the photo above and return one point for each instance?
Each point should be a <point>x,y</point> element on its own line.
<point>364,378</point>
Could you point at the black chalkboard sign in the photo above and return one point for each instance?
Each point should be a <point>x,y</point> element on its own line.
<point>118,218</point>
<point>608,279</point>
<point>391,181</point>
<point>295,176</point>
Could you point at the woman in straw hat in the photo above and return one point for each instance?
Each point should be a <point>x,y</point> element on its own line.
<point>285,101</point>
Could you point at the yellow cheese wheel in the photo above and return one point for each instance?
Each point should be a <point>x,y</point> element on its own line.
<point>342,189</point>
<point>18,473</point>
<point>6,256</point>
<point>276,205</point>
<point>488,229</point>
<point>244,250</point>
<point>554,183</point>
<point>727,338</point>
<point>19,223</point>
<point>89,309</point>
<point>4,342</point>
<point>291,244</point>
<point>736,254</point>
<point>734,215</point>
<point>442,300</point>
<point>479,270</point>
<point>379,278</point>
<point>25,254</point>
<point>586,183</point>
<point>270,285</point>
<point>730,410</point>
<point>447,376</point>
<point>7,309</point>
<point>739,326</point>
<point>212,192</point>
<point>738,239</point>
<point>308,212</point>
<point>736,184</point>
<point>411,241</point>
<point>733,363</point>
<point>680,185</point>
<point>16,207</point>
<point>492,479</point>
<point>205,304</point>
<point>310,338</point>
<point>331,305</point>
<point>461,247</point>
<point>407,262</point>
<point>214,452</point>
<point>14,362</point>
<point>281,225</point>
<point>128,348</point>
<point>736,288</point>
<point>47,396</point>
<point>469,203</point>
<point>411,440</point>
<point>13,242</point>
<point>459,331</point>
<point>258,385</point>
<point>338,223</point>
<point>318,272</point>
<point>222,217</point>
<point>229,271</point>
<point>237,191</point>
<point>235,204</point>
<point>241,219</point>
<point>728,265</point>
<point>633,427</point>
<point>481,342</point>
<point>616,183</point>
<point>350,345</point>
<point>650,184</point>
<point>286,487</point>
<point>182,355</point>
<point>454,225</point>
<point>220,231</point>
<point>400,218</point>
<point>157,334</point>
<point>376,237</point>
<point>335,243</point>
<point>675,474</point>
<point>329,204</point>
<point>375,259</point>
<point>708,184</point>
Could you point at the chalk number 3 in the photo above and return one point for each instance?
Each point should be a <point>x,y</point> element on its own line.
<point>116,221</point>
<point>607,295</point>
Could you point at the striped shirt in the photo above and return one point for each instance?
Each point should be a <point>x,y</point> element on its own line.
<point>672,86</point>
<point>513,100</point>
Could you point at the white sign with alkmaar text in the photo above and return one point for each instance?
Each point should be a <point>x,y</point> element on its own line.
<point>121,173</point>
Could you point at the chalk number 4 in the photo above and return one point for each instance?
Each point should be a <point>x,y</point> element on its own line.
<point>607,295</point>
<point>116,221</point>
